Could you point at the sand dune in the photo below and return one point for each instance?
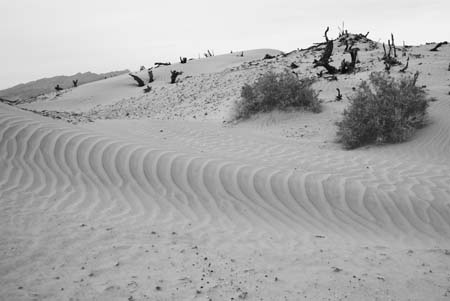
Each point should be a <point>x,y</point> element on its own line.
<point>331,192</point>
<point>223,189</point>
<point>271,208</point>
<point>114,89</point>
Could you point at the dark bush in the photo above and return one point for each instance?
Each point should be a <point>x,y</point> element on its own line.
<point>277,91</point>
<point>385,110</point>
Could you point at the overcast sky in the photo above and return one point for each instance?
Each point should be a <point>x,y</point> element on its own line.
<point>44,38</point>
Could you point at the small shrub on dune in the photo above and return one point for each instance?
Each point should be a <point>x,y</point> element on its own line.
<point>386,110</point>
<point>280,91</point>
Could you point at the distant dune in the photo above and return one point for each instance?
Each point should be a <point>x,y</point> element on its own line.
<point>22,92</point>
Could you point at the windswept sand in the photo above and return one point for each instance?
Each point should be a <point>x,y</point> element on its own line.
<point>183,206</point>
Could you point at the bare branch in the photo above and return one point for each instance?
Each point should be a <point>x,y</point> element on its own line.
<point>173,76</point>
<point>325,35</point>
<point>406,66</point>
<point>435,48</point>
<point>139,81</point>
<point>158,64</point>
<point>339,96</point>
<point>393,45</point>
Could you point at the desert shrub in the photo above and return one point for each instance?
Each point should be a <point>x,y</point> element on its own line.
<point>386,110</point>
<point>276,91</point>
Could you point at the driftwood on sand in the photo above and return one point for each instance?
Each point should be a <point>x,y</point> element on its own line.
<point>435,48</point>
<point>159,64</point>
<point>139,81</point>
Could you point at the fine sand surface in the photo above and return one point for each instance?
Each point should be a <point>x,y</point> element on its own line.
<point>155,200</point>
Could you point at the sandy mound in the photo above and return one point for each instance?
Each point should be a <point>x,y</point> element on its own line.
<point>123,88</point>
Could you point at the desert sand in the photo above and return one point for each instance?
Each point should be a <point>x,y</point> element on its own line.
<point>117,194</point>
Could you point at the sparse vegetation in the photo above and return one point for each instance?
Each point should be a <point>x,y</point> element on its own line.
<point>268,57</point>
<point>383,110</point>
<point>173,76</point>
<point>388,59</point>
<point>277,91</point>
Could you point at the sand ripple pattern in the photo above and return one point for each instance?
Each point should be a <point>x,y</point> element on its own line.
<point>241,186</point>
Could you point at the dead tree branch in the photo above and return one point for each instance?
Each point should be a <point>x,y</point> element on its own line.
<point>208,53</point>
<point>159,64</point>
<point>348,67</point>
<point>388,59</point>
<point>150,75</point>
<point>416,76</point>
<point>393,45</point>
<point>324,60</point>
<point>147,89</point>
<point>268,57</point>
<point>435,48</point>
<point>139,81</point>
<point>406,66</point>
<point>346,46</point>
<point>339,96</point>
<point>390,48</point>
<point>173,76</point>
<point>325,35</point>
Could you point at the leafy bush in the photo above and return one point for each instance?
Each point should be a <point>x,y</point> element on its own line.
<point>277,91</point>
<point>385,111</point>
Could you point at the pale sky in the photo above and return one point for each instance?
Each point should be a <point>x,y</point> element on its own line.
<point>44,38</point>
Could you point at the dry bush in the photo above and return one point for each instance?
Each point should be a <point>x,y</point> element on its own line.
<point>383,110</point>
<point>280,91</point>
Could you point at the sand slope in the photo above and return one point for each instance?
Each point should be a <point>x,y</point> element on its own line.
<point>232,192</point>
<point>123,87</point>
